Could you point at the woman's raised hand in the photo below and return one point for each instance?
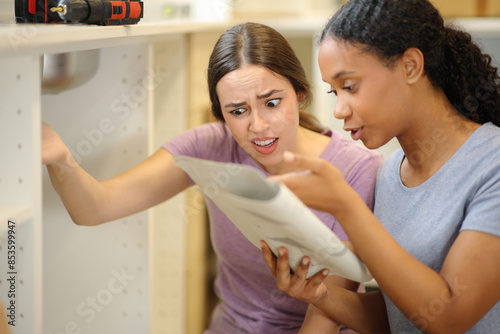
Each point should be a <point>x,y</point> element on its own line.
<point>53,148</point>
<point>319,187</point>
<point>309,290</point>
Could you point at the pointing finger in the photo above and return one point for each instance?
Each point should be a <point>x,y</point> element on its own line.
<point>315,165</point>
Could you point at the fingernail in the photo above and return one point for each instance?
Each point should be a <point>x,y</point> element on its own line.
<point>305,261</point>
<point>262,244</point>
<point>281,251</point>
<point>325,272</point>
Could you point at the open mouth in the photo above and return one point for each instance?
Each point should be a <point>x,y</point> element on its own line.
<point>265,143</point>
<point>266,146</point>
<point>356,133</point>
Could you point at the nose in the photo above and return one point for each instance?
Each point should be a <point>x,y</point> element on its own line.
<point>257,122</point>
<point>341,110</point>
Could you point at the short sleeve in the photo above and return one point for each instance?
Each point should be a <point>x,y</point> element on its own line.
<point>483,212</point>
<point>207,141</point>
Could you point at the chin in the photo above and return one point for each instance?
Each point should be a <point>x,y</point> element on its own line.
<point>269,162</point>
<point>372,144</point>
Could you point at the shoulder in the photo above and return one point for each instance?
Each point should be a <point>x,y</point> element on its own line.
<point>205,141</point>
<point>489,130</point>
<point>480,155</point>
<point>486,141</point>
<point>480,161</point>
<point>487,137</point>
<point>478,179</point>
<point>213,130</point>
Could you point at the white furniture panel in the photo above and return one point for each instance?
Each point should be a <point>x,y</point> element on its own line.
<point>96,278</point>
<point>168,220</point>
<point>20,193</point>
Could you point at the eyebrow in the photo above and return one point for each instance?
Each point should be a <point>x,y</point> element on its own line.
<point>259,97</point>
<point>266,95</point>
<point>341,73</point>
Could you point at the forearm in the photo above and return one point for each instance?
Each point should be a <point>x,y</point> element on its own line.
<point>82,195</point>
<point>464,289</point>
<point>412,289</point>
<point>317,321</point>
<point>361,312</point>
<point>92,202</point>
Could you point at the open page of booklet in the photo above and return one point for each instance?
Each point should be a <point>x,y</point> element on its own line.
<point>263,209</point>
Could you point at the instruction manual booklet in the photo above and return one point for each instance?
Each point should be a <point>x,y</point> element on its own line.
<point>267,210</point>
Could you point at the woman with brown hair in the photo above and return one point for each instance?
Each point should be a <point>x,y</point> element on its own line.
<point>259,93</point>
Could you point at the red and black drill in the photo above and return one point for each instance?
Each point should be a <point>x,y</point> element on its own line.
<point>100,12</point>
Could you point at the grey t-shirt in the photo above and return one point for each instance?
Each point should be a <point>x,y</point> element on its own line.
<point>463,195</point>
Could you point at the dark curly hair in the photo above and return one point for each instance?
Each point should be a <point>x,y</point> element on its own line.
<point>453,62</point>
<point>258,44</point>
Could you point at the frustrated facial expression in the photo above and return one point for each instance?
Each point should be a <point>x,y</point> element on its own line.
<point>261,108</point>
<point>370,95</point>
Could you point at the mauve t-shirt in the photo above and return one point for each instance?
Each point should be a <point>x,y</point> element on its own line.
<point>249,299</point>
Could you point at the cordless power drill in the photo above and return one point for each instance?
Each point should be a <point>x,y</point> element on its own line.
<point>100,12</point>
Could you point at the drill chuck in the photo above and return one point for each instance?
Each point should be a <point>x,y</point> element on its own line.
<point>73,10</point>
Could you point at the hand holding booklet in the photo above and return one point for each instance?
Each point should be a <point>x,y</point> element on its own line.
<point>263,209</point>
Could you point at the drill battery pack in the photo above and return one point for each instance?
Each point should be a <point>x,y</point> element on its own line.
<point>100,12</point>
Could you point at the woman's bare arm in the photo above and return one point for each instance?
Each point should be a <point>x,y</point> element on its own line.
<point>466,287</point>
<point>92,202</point>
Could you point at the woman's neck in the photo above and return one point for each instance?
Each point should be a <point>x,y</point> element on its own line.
<point>432,141</point>
<point>310,143</point>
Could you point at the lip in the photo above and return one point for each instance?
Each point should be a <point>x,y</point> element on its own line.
<point>356,132</point>
<point>265,145</point>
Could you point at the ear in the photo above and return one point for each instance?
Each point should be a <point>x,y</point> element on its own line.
<point>301,96</point>
<point>412,62</point>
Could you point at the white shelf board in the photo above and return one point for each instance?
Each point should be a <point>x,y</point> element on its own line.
<point>55,38</point>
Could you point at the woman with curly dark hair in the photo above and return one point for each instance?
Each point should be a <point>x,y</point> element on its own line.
<point>433,241</point>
